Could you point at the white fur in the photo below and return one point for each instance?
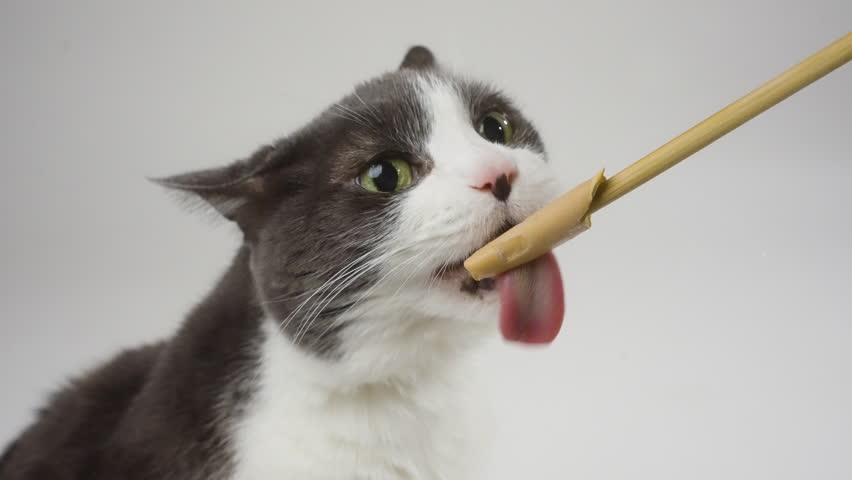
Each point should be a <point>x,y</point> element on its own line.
<point>401,402</point>
<point>310,422</point>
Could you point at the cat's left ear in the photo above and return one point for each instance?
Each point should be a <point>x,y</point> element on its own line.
<point>231,190</point>
<point>418,58</point>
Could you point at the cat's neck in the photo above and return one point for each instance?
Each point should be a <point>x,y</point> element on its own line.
<point>231,320</point>
<point>304,407</point>
<point>284,406</point>
<point>221,334</point>
<point>354,372</point>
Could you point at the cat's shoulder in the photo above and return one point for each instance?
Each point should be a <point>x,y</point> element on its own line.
<point>79,417</point>
<point>112,383</point>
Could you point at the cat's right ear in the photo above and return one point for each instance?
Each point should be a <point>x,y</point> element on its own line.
<point>418,58</point>
<point>231,190</point>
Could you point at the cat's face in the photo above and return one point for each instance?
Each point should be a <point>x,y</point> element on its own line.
<point>359,222</point>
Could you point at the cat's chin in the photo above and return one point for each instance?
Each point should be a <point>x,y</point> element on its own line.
<point>455,276</point>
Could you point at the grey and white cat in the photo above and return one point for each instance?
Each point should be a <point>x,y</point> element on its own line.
<point>337,344</point>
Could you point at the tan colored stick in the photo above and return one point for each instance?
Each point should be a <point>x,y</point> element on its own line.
<point>559,221</point>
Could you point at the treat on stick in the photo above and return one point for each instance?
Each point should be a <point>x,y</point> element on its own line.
<point>539,233</point>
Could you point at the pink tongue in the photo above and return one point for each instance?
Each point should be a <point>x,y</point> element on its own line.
<point>532,302</point>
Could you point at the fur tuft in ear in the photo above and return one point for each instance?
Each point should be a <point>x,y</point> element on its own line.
<point>226,189</point>
<point>418,58</point>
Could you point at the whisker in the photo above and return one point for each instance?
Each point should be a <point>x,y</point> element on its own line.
<point>366,294</point>
<point>416,270</point>
<point>332,290</point>
<point>329,297</point>
<point>369,109</point>
<point>342,271</point>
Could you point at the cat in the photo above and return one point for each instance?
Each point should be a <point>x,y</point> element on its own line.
<point>338,344</point>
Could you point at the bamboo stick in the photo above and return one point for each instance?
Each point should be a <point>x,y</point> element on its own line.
<point>717,125</point>
<point>551,226</point>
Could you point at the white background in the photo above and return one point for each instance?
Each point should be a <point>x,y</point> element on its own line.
<point>709,315</point>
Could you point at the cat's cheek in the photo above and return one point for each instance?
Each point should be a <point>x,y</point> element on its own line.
<point>435,216</point>
<point>451,301</point>
<point>537,185</point>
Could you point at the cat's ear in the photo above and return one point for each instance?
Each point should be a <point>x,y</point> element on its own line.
<point>418,58</point>
<point>230,190</point>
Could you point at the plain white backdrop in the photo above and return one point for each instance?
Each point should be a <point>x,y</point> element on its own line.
<point>709,314</point>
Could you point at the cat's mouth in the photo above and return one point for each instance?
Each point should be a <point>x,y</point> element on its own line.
<point>455,271</point>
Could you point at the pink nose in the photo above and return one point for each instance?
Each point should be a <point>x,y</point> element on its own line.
<point>499,183</point>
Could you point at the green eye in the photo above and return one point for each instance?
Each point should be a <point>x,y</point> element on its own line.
<point>495,128</point>
<point>386,175</point>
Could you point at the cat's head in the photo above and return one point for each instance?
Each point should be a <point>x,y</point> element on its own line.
<point>358,223</point>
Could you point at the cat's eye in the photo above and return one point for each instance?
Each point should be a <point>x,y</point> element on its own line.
<point>495,128</point>
<point>386,175</point>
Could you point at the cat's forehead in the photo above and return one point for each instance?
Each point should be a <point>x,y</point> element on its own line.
<point>393,108</point>
<point>398,111</point>
<point>411,94</point>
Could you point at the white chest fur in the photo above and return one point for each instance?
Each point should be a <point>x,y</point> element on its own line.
<point>306,423</point>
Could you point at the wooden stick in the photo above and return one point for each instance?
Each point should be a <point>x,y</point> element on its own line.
<point>569,215</point>
<point>714,127</point>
